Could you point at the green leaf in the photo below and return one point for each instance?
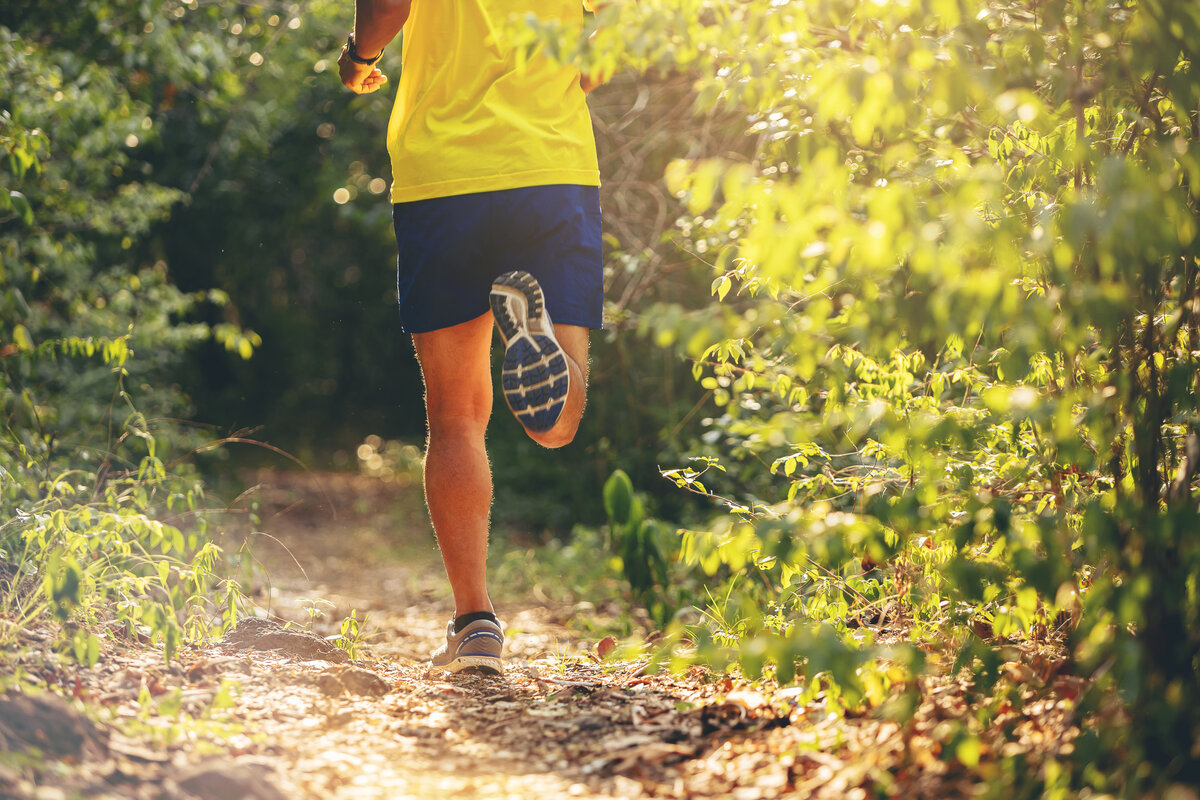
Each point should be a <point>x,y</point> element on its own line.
<point>21,205</point>
<point>618,498</point>
<point>21,338</point>
<point>721,286</point>
<point>968,751</point>
<point>93,650</point>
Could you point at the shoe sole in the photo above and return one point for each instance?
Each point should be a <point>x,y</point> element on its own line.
<point>486,664</point>
<point>535,378</point>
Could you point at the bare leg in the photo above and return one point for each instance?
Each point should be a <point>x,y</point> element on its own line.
<point>456,366</point>
<point>574,341</point>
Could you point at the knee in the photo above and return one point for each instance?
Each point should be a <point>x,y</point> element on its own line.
<point>458,419</point>
<point>466,402</point>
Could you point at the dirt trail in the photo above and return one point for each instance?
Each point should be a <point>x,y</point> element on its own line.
<point>558,723</point>
<point>229,722</point>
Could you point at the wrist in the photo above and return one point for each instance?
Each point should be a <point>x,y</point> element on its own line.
<point>357,57</point>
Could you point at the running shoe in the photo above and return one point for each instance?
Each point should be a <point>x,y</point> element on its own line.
<point>535,377</point>
<point>478,645</point>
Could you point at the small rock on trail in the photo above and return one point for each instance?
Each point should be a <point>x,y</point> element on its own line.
<point>229,780</point>
<point>50,725</point>
<point>253,633</point>
<point>352,680</point>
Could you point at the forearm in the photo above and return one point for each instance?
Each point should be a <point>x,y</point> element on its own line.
<point>376,23</point>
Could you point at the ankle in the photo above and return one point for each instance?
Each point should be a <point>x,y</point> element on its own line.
<point>463,620</point>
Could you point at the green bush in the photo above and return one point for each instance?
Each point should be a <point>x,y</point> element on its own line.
<point>955,338</point>
<point>101,511</point>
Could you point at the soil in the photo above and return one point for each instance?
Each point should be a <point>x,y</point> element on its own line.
<point>273,711</point>
<point>255,633</point>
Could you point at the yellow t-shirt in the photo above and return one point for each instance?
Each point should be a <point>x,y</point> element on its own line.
<point>468,119</point>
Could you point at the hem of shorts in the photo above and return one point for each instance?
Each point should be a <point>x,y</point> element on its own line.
<point>404,326</point>
<point>594,326</point>
<point>495,183</point>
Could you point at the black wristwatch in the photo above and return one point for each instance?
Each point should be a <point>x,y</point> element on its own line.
<point>352,51</point>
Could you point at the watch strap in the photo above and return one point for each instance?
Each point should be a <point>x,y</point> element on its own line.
<point>352,51</point>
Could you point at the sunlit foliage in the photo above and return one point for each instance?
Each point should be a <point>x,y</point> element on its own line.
<point>95,485</point>
<point>954,333</point>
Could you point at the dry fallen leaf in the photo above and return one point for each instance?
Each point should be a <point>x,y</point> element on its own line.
<point>605,647</point>
<point>747,699</point>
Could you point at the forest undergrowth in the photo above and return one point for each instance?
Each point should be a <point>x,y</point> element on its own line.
<point>583,708</point>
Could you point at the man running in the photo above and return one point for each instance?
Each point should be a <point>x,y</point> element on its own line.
<point>497,216</point>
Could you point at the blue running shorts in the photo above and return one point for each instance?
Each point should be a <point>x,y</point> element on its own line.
<point>451,248</point>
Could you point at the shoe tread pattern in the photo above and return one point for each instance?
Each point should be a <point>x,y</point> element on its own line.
<point>535,377</point>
